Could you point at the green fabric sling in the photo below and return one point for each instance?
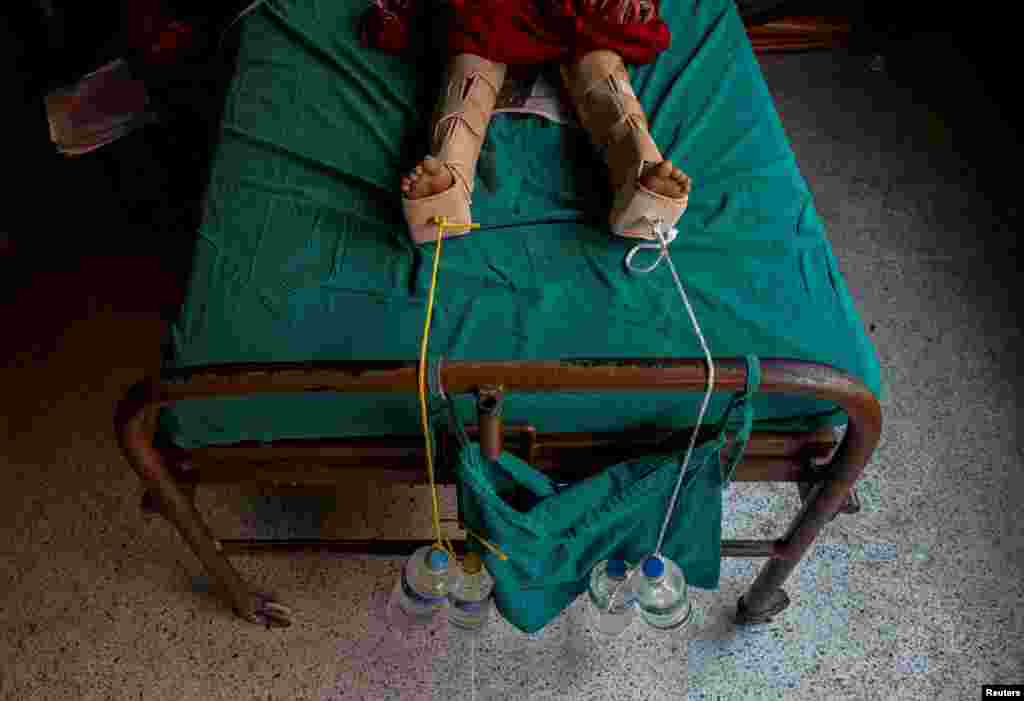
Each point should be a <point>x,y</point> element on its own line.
<point>553,537</point>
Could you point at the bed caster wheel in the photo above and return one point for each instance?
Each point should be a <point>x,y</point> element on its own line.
<point>268,612</point>
<point>776,604</point>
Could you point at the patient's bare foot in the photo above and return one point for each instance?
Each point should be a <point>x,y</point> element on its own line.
<point>429,178</point>
<point>666,180</point>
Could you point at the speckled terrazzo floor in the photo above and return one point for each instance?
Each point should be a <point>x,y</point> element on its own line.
<point>918,597</point>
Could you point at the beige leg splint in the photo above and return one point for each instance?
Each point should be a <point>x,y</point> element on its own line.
<point>463,112</point>
<point>612,115</point>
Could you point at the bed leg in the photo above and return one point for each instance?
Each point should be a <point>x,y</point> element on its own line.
<point>135,432</point>
<point>766,598</point>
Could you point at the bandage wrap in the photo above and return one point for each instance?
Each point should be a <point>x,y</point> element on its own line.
<point>460,124</point>
<point>613,116</point>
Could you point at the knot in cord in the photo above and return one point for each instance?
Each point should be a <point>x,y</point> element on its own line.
<point>664,239</point>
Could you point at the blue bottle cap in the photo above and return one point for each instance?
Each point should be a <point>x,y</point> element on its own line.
<point>616,568</point>
<point>653,567</point>
<point>437,560</point>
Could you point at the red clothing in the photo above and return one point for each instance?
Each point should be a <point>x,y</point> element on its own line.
<point>524,32</point>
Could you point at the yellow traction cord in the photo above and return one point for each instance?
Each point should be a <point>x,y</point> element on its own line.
<point>439,540</point>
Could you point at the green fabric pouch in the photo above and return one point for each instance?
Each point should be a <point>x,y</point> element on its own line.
<point>554,536</point>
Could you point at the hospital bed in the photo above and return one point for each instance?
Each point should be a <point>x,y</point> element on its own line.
<point>294,355</point>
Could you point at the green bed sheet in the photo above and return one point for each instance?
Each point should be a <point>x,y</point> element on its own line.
<point>303,253</point>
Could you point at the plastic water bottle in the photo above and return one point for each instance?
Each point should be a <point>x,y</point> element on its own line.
<point>470,594</point>
<point>422,589</point>
<point>607,577</point>
<point>662,593</point>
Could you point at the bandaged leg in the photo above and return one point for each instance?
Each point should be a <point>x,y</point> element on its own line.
<point>442,185</point>
<point>647,188</point>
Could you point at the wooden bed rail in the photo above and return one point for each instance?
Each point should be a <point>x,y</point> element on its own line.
<point>567,375</point>
<point>136,416</point>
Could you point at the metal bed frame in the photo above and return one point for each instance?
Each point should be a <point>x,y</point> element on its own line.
<point>825,470</point>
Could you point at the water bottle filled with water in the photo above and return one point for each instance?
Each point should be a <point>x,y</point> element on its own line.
<point>608,579</point>
<point>662,593</point>
<point>422,588</point>
<point>470,594</point>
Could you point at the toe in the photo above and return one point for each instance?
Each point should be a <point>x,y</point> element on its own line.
<point>681,179</point>
<point>432,166</point>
